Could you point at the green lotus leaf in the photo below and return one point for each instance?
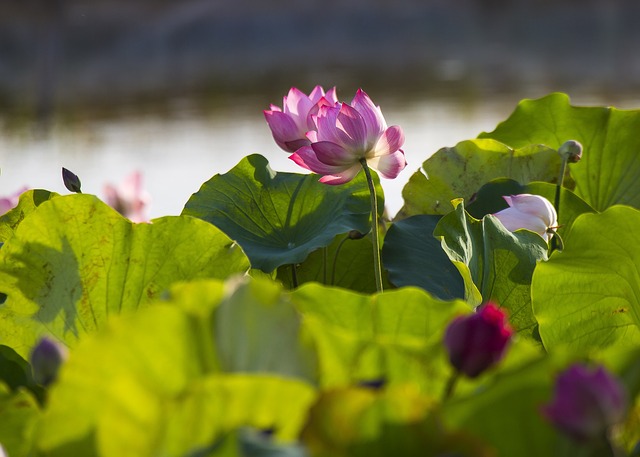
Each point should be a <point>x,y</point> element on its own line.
<point>494,263</point>
<point>29,201</point>
<point>74,261</point>
<point>609,172</point>
<point>459,171</point>
<point>16,372</point>
<point>148,384</point>
<point>279,218</point>
<point>506,414</point>
<point>395,421</point>
<point>346,263</point>
<point>395,336</point>
<point>588,295</point>
<point>19,414</point>
<point>257,329</point>
<point>414,257</point>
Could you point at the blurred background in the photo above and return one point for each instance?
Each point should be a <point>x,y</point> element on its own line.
<point>176,89</point>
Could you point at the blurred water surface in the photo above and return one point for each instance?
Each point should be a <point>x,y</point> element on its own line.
<point>178,153</point>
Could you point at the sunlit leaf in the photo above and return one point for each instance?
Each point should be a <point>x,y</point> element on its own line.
<point>588,296</point>
<point>19,413</point>
<point>609,171</point>
<point>28,202</point>
<point>494,263</point>
<point>398,421</point>
<point>458,172</point>
<point>257,329</point>
<point>148,384</point>
<point>74,261</point>
<point>279,218</point>
<point>395,336</point>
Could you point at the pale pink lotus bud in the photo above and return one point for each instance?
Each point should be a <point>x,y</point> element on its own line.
<point>347,134</point>
<point>531,212</point>
<point>9,202</point>
<point>289,125</point>
<point>129,198</point>
<point>478,341</point>
<point>587,401</point>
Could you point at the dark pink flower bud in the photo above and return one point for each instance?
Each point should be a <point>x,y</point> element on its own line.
<point>587,401</point>
<point>46,359</point>
<point>478,341</point>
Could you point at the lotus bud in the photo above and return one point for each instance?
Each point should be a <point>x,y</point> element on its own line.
<point>478,341</point>
<point>587,401</point>
<point>71,181</point>
<point>571,151</point>
<point>531,212</point>
<point>46,359</point>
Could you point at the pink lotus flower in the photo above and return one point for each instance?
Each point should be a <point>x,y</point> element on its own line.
<point>290,124</point>
<point>531,212</point>
<point>348,133</point>
<point>11,201</point>
<point>129,198</point>
<point>478,341</point>
<point>587,401</point>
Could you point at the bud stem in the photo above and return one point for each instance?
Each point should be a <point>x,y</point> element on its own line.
<point>556,201</point>
<point>377,267</point>
<point>451,386</point>
<point>294,276</point>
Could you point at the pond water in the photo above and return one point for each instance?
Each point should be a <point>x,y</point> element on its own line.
<point>178,153</point>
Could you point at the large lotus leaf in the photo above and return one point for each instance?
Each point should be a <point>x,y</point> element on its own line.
<point>588,296</point>
<point>257,329</point>
<point>609,171</point>
<point>399,420</point>
<point>395,336</point>
<point>488,200</point>
<point>29,201</point>
<point>279,218</point>
<point>146,384</point>
<point>506,414</point>
<point>346,263</point>
<point>495,264</point>
<point>459,171</point>
<point>74,261</point>
<point>19,414</point>
<point>414,257</point>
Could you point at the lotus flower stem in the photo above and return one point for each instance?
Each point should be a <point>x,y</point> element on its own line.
<point>294,276</point>
<point>377,267</point>
<point>325,260</point>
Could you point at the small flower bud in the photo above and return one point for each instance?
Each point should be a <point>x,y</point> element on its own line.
<point>587,401</point>
<point>46,359</point>
<point>71,181</point>
<point>478,341</point>
<point>355,235</point>
<point>531,212</point>
<point>571,151</point>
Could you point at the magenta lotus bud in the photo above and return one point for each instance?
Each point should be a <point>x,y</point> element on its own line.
<point>587,401</point>
<point>46,359</point>
<point>478,341</point>
<point>531,212</point>
<point>571,151</point>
